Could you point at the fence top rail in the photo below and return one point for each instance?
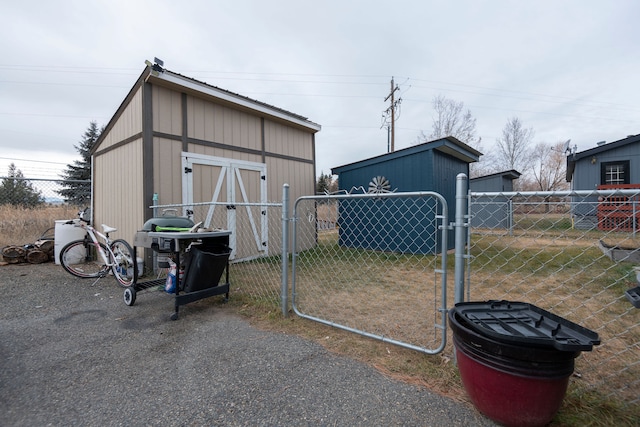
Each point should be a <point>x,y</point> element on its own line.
<point>46,179</point>
<point>577,193</point>
<point>371,195</point>
<point>442,201</point>
<point>184,205</point>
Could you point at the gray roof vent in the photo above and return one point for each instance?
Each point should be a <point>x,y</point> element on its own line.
<point>601,143</point>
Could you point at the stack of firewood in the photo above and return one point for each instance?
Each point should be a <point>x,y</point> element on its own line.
<point>40,251</point>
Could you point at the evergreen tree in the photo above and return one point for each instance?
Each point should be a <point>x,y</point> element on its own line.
<point>15,190</point>
<point>77,176</point>
<point>325,184</point>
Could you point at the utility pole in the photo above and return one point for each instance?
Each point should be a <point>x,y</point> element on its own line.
<point>392,110</point>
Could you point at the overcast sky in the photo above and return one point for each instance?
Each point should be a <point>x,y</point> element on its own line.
<point>566,68</point>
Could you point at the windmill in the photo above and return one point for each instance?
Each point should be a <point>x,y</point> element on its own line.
<point>379,185</point>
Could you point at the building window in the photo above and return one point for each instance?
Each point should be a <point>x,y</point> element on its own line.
<point>615,173</point>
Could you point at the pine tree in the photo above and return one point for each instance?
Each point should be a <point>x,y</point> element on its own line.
<point>324,184</point>
<point>77,176</point>
<point>15,190</point>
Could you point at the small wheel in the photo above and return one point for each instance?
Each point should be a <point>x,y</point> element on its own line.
<point>130,296</point>
<point>174,316</point>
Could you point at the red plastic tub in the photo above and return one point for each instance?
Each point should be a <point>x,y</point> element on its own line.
<point>512,380</point>
<point>510,398</point>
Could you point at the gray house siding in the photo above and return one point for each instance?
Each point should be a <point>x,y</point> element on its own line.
<point>585,172</point>
<point>588,172</point>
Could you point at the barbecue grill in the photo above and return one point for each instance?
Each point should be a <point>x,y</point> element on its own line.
<point>204,255</point>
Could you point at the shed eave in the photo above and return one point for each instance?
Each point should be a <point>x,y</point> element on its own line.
<point>606,147</point>
<point>448,145</point>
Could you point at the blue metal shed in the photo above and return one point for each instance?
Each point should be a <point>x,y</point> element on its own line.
<point>492,212</point>
<point>431,166</point>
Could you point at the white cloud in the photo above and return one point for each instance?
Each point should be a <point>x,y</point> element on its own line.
<point>567,69</point>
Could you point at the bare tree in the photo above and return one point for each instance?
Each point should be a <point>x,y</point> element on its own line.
<point>514,147</point>
<point>453,120</point>
<point>549,167</point>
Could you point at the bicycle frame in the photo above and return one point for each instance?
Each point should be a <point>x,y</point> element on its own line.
<point>92,232</point>
<point>116,256</point>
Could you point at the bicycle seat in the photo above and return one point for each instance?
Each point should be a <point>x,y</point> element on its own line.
<point>108,229</point>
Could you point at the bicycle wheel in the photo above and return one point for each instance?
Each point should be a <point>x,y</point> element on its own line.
<point>125,269</point>
<point>81,258</point>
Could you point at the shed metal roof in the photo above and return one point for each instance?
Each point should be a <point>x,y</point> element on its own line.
<point>510,174</point>
<point>449,145</point>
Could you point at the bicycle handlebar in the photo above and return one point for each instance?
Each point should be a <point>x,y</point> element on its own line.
<point>80,217</point>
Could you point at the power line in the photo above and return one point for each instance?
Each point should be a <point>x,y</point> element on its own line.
<point>30,160</point>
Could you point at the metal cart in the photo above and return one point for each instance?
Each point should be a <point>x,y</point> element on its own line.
<point>190,247</point>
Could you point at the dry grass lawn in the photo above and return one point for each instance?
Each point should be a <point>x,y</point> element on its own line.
<point>20,226</point>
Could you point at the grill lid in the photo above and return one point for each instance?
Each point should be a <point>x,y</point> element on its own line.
<point>526,324</point>
<point>167,222</point>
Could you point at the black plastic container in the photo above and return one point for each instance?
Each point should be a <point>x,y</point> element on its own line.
<point>204,267</point>
<point>525,324</point>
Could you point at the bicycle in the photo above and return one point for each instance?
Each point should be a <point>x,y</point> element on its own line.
<point>90,258</point>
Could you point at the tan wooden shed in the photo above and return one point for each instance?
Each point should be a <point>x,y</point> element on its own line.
<point>184,141</point>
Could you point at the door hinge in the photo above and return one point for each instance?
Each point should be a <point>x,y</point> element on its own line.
<point>263,212</point>
<point>263,177</point>
<point>187,170</point>
<point>231,207</point>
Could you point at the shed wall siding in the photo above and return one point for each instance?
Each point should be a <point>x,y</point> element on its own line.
<point>118,181</point>
<point>299,176</point>
<point>167,111</point>
<point>288,141</point>
<point>167,170</point>
<point>216,123</point>
<point>223,152</point>
<point>445,170</point>
<point>128,124</point>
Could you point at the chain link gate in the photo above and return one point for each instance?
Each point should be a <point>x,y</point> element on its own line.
<point>375,265</point>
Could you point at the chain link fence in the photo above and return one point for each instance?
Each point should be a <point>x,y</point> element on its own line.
<point>575,254</point>
<point>38,192</point>
<point>28,211</point>
<point>256,241</point>
<point>373,264</point>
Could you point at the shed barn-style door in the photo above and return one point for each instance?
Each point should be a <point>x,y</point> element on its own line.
<point>229,194</point>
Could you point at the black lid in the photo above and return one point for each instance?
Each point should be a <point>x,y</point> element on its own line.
<point>525,324</point>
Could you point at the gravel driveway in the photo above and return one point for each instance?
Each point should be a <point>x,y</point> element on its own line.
<point>72,353</point>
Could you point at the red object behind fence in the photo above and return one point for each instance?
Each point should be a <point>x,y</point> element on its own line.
<point>619,213</point>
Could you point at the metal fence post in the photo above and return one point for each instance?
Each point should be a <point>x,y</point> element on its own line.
<point>510,215</point>
<point>460,234</point>
<point>284,287</point>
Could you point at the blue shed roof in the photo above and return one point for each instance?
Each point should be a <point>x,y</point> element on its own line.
<point>448,145</point>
